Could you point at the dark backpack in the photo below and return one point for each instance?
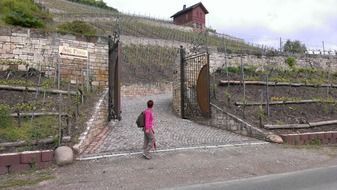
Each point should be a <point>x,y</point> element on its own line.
<point>140,120</point>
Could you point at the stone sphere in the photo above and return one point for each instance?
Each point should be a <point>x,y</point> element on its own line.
<point>64,155</point>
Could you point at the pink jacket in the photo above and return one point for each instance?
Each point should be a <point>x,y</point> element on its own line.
<point>148,118</point>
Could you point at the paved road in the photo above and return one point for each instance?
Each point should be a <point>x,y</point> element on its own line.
<point>188,167</point>
<point>312,179</point>
<point>171,131</point>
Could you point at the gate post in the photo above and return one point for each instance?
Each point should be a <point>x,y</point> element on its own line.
<point>182,82</point>
<point>209,115</point>
<point>114,82</point>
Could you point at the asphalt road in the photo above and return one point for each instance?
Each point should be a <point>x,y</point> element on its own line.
<point>312,179</point>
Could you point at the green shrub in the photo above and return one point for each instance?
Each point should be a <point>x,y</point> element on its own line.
<point>5,119</point>
<point>291,61</point>
<point>22,13</point>
<point>250,70</point>
<point>233,69</point>
<point>77,27</point>
<point>19,18</point>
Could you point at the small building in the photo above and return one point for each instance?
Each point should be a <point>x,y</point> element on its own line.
<point>194,16</point>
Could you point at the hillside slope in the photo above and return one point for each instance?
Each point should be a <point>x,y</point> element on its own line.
<point>140,57</point>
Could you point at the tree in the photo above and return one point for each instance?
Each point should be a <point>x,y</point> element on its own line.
<point>294,47</point>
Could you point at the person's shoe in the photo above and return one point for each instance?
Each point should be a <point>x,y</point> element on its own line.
<point>147,157</point>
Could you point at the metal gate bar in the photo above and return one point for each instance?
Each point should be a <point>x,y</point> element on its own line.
<point>191,74</point>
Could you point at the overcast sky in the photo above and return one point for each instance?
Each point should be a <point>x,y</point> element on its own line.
<point>258,21</point>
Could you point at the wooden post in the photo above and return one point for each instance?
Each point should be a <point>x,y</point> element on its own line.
<point>267,95</point>
<point>244,87</point>
<point>59,120</point>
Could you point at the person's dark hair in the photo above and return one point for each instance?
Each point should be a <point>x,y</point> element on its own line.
<point>150,103</point>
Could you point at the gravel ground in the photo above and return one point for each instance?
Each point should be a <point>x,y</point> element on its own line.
<point>170,130</point>
<point>180,168</point>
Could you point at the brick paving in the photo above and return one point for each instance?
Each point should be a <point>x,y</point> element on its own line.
<point>170,130</point>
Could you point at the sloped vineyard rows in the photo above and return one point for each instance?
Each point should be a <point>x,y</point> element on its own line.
<point>147,64</point>
<point>141,27</point>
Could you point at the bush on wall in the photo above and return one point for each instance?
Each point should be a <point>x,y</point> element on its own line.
<point>22,13</point>
<point>77,27</point>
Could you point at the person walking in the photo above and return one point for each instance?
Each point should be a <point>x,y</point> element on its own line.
<point>149,141</point>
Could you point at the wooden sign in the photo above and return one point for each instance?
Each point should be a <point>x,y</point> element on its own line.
<point>69,52</point>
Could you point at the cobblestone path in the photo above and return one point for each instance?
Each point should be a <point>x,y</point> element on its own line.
<point>170,130</point>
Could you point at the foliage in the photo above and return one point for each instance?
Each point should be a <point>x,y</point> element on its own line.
<point>4,116</point>
<point>294,47</point>
<point>291,61</point>
<point>233,69</point>
<point>315,142</point>
<point>95,3</point>
<point>77,27</point>
<point>283,98</point>
<point>13,62</point>
<point>22,13</point>
<point>41,127</point>
<point>23,107</point>
<point>48,83</point>
<point>248,70</point>
<point>271,53</point>
<point>306,75</point>
<point>26,178</point>
<point>17,82</point>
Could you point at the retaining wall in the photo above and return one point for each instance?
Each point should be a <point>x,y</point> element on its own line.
<point>217,60</point>
<point>14,162</point>
<point>41,51</point>
<point>224,120</point>
<point>326,137</point>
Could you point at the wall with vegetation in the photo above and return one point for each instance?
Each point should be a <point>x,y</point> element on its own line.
<point>41,51</point>
<point>141,56</point>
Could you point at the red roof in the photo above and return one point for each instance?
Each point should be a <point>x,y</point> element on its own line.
<point>190,9</point>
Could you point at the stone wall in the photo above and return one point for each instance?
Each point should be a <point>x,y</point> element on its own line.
<point>146,89</point>
<point>41,51</point>
<point>217,60</point>
<point>230,122</point>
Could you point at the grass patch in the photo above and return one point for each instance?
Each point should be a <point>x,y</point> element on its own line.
<point>27,178</point>
<point>17,82</point>
<point>41,127</point>
<point>95,3</point>
<point>23,13</point>
<point>5,120</point>
<point>77,27</point>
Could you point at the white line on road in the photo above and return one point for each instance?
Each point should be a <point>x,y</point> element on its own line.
<point>170,150</point>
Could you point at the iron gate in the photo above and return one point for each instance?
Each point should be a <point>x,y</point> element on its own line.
<point>114,101</point>
<point>195,85</point>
